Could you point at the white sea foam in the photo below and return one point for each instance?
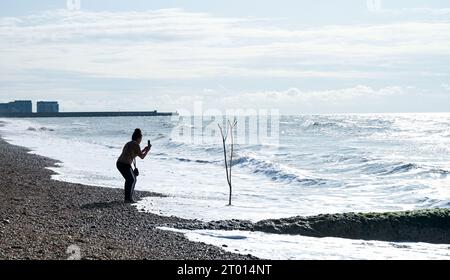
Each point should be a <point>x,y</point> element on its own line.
<point>295,247</point>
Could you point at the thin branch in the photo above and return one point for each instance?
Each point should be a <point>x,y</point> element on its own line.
<point>224,151</point>
<point>224,137</point>
<point>228,130</point>
<point>230,127</point>
<point>231,163</point>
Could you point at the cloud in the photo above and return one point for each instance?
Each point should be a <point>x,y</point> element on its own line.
<point>430,11</point>
<point>446,86</point>
<point>298,100</point>
<point>357,99</point>
<point>175,44</point>
<point>296,96</point>
<point>167,57</point>
<point>413,11</point>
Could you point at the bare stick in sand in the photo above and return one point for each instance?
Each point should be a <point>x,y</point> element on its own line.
<point>224,132</point>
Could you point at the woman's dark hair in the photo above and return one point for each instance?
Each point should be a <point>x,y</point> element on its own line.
<point>136,134</point>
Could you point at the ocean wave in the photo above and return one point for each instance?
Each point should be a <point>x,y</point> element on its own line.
<point>347,159</point>
<point>112,147</point>
<point>349,125</point>
<point>435,171</point>
<point>401,168</point>
<point>421,170</point>
<point>197,160</point>
<point>309,124</point>
<point>277,172</point>
<point>43,128</point>
<point>193,147</point>
<point>167,125</point>
<point>160,136</point>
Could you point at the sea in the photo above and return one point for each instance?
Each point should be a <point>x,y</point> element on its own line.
<point>318,164</point>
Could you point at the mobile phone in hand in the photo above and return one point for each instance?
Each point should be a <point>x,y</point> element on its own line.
<point>149,144</point>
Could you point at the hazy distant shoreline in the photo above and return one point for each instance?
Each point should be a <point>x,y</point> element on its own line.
<point>89,114</point>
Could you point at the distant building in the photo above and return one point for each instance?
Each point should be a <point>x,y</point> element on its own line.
<point>18,106</point>
<point>4,107</point>
<point>47,107</point>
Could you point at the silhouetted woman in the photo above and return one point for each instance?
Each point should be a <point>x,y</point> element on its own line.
<point>130,151</point>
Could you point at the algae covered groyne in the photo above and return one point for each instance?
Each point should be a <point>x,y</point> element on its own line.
<point>429,225</point>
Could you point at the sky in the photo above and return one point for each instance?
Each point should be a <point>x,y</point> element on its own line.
<point>300,57</point>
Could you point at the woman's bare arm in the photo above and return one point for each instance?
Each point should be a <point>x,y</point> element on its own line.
<point>142,154</point>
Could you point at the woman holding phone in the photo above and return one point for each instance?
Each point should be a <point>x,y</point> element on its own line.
<point>130,151</point>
